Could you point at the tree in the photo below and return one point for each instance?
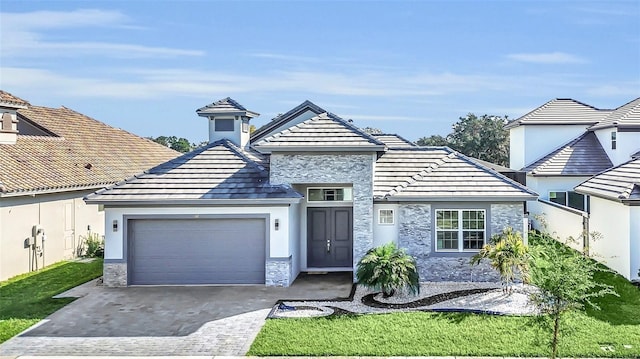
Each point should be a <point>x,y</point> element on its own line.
<point>178,144</point>
<point>565,279</point>
<point>371,130</point>
<point>481,137</point>
<point>388,268</point>
<point>433,140</point>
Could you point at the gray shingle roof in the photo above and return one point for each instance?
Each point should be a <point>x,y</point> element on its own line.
<point>325,132</point>
<point>561,112</point>
<point>225,105</point>
<point>627,115</point>
<point>286,117</point>
<point>393,140</point>
<point>582,156</point>
<point>621,183</point>
<point>439,173</point>
<point>219,171</point>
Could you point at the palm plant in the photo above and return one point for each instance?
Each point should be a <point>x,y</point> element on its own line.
<point>388,268</point>
<point>509,255</point>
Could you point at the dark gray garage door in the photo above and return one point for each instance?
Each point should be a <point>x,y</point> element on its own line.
<point>196,251</point>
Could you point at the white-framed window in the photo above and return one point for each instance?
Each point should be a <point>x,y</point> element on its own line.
<point>460,230</point>
<point>614,136</point>
<point>224,125</point>
<point>570,199</point>
<point>385,216</point>
<point>329,194</point>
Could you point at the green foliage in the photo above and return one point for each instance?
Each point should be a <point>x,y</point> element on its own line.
<point>388,268</point>
<point>178,144</point>
<point>481,137</point>
<point>91,245</point>
<point>433,140</point>
<point>26,299</point>
<point>565,279</point>
<point>371,130</point>
<point>509,255</point>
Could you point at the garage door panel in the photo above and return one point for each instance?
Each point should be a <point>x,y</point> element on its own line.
<point>197,251</point>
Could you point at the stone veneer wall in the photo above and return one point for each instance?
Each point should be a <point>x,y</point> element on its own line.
<point>278,272</point>
<point>114,274</point>
<point>327,168</point>
<point>414,234</point>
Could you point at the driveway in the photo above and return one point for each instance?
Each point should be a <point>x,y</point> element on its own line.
<point>171,320</point>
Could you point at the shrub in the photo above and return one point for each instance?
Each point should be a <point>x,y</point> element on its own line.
<point>509,255</point>
<point>388,268</point>
<point>91,246</point>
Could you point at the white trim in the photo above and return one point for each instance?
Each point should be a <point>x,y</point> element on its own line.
<point>393,217</point>
<point>460,230</point>
<point>344,188</point>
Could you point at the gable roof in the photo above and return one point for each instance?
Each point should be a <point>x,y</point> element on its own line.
<point>621,183</point>
<point>218,171</point>
<point>326,132</point>
<point>393,140</point>
<point>282,119</point>
<point>441,174</point>
<point>582,156</point>
<point>561,111</point>
<point>627,115</point>
<point>225,106</point>
<point>9,100</point>
<point>76,152</point>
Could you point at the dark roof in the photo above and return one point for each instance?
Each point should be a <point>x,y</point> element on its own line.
<point>621,183</point>
<point>582,156</point>
<point>218,171</point>
<point>7,99</point>
<point>561,111</point>
<point>73,152</point>
<point>393,140</point>
<point>627,115</point>
<point>282,119</point>
<point>324,132</point>
<point>439,173</point>
<point>225,105</point>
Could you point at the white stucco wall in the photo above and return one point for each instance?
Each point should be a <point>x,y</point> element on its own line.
<point>279,240</point>
<point>294,239</point>
<point>542,186</point>
<point>64,217</point>
<point>559,222</point>
<point>539,140</point>
<point>612,220</point>
<point>627,143</point>
<point>516,147</point>
<point>236,136</point>
<point>634,253</point>
<point>384,233</point>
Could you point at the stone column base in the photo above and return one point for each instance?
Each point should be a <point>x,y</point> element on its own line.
<point>114,274</point>
<point>278,272</point>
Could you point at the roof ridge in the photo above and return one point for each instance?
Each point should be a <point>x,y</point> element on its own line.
<point>421,174</point>
<point>239,152</point>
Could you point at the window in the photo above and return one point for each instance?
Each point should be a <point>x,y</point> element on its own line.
<point>329,194</point>
<point>385,216</point>
<point>459,230</point>
<point>569,199</point>
<point>614,141</point>
<point>224,124</point>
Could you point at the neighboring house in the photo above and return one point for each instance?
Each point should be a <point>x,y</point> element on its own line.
<point>307,192</point>
<point>566,148</point>
<point>50,158</point>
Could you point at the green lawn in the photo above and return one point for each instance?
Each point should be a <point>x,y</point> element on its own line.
<point>617,326</point>
<point>26,299</point>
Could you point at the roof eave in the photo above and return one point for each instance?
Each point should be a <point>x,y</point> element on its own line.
<point>191,202</point>
<point>399,198</point>
<point>270,149</point>
<point>37,192</point>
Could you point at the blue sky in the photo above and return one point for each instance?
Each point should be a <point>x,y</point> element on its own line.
<point>411,68</point>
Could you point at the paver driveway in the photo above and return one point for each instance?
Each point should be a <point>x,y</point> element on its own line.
<point>202,320</point>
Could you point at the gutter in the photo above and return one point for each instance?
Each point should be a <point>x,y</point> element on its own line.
<point>192,202</point>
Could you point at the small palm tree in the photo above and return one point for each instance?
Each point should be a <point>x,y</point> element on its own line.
<point>388,268</point>
<point>509,255</point>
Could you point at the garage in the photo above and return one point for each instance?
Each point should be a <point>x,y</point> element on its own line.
<point>196,251</point>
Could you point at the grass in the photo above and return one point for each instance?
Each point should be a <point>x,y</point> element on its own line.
<point>615,326</point>
<point>26,299</point>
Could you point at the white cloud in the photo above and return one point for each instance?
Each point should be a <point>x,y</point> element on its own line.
<point>25,35</point>
<point>547,58</point>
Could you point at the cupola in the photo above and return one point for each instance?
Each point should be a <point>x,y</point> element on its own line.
<point>9,105</point>
<point>228,120</point>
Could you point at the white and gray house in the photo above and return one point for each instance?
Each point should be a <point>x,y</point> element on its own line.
<point>307,192</point>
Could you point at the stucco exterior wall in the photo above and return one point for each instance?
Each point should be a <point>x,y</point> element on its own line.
<point>385,233</point>
<point>560,223</point>
<point>539,140</point>
<point>612,221</point>
<point>64,217</point>
<point>627,143</point>
<point>328,168</point>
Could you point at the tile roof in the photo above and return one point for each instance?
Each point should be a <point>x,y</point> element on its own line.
<point>218,171</point>
<point>621,183</point>
<point>324,132</point>
<point>561,112</point>
<point>582,156</point>
<point>11,100</point>
<point>439,173</point>
<point>282,119</point>
<point>393,140</point>
<point>225,105</point>
<point>627,115</point>
<point>80,152</point>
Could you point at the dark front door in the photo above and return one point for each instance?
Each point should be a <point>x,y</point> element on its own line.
<point>330,237</point>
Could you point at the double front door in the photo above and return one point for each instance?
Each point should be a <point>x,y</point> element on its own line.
<point>330,237</point>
